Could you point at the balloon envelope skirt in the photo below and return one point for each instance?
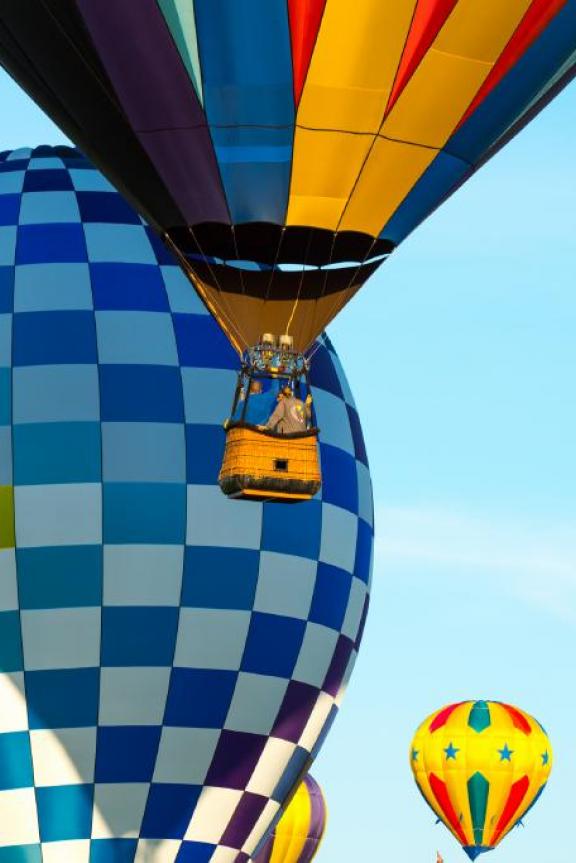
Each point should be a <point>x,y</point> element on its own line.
<point>170,660</point>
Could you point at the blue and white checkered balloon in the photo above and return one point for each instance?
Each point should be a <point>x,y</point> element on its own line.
<point>170,660</point>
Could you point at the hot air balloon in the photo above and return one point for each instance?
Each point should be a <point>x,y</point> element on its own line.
<point>481,766</point>
<point>170,661</point>
<point>284,149</point>
<point>299,832</point>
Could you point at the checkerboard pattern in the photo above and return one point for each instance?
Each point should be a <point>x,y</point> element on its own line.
<point>170,660</point>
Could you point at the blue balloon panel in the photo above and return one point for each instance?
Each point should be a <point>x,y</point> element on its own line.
<point>170,660</point>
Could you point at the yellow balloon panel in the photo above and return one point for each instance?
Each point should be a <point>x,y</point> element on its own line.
<point>481,29</point>
<point>390,171</point>
<point>436,98</point>
<point>326,166</point>
<point>354,64</point>
<point>292,829</point>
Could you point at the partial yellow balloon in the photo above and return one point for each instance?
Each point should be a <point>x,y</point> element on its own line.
<point>481,765</point>
<point>297,836</point>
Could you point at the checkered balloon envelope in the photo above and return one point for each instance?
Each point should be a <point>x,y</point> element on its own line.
<point>170,660</point>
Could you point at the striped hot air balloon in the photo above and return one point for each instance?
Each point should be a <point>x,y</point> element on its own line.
<point>284,149</point>
<point>480,765</point>
<point>299,832</point>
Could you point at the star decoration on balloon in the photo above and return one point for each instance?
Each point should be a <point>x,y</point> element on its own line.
<point>451,752</point>
<point>505,753</point>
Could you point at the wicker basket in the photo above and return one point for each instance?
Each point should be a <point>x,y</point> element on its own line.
<point>263,465</point>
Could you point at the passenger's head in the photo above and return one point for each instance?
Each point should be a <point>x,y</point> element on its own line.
<point>286,392</point>
<point>255,387</point>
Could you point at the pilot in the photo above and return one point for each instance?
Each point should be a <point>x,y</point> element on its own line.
<point>258,407</point>
<point>291,414</point>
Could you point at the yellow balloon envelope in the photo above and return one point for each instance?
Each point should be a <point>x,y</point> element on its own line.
<point>480,765</point>
<point>300,830</point>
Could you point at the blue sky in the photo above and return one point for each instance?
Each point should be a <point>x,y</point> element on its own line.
<point>462,355</point>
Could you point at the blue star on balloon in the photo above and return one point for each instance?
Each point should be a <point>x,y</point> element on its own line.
<point>505,753</point>
<point>545,758</point>
<point>415,754</point>
<point>451,752</point>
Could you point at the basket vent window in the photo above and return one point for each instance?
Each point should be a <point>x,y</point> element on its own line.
<point>281,464</point>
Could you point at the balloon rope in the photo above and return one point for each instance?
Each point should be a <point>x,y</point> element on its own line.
<point>300,284</point>
<point>324,283</point>
<point>237,258</point>
<point>274,265</point>
<point>225,319</point>
<point>342,297</point>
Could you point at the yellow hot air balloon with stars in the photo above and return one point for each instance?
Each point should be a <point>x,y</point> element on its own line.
<point>481,765</point>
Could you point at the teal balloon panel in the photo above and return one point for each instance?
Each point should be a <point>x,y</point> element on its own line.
<point>170,660</point>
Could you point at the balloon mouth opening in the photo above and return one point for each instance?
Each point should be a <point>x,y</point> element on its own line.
<point>474,851</point>
<point>267,245</point>
<point>258,266</point>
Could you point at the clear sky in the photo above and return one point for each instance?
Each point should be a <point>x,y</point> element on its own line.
<point>462,355</point>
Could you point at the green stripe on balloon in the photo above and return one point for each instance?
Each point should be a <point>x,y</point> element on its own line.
<point>478,788</point>
<point>479,718</point>
<point>179,15</point>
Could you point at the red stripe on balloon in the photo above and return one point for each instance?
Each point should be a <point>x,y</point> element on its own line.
<point>443,716</point>
<point>520,722</point>
<point>535,21</point>
<point>305,20</point>
<point>441,794</point>
<point>515,798</point>
<point>429,18</point>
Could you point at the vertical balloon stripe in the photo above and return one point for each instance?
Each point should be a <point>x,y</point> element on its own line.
<point>534,22</point>
<point>441,794</point>
<point>159,100</point>
<point>443,717</point>
<point>305,20</point>
<point>319,814</point>
<point>429,18</point>
<point>264,854</point>
<point>551,85</point>
<point>293,829</point>
<point>519,720</point>
<point>246,62</point>
<point>562,77</point>
<point>515,798</point>
<point>444,174</point>
<point>478,788</point>
<point>179,15</point>
<point>479,718</point>
<point>535,801</point>
<point>520,91</point>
